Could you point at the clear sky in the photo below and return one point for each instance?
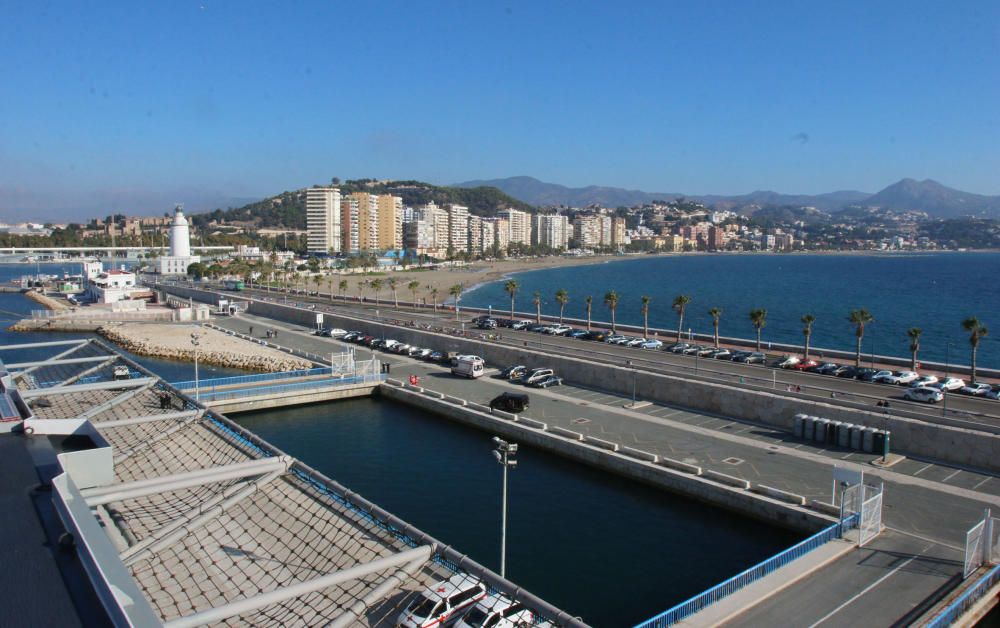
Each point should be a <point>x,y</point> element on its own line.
<point>130,106</point>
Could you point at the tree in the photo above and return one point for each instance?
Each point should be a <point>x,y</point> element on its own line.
<point>376,286</point>
<point>645,316</point>
<point>536,298</point>
<point>679,305</point>
<point>434,297</point>
<point>343,288</point>
<point>590,303</point>
<point>611,300</point>
<point>562,298</point>
<point>807,331</point>
<point>456,294</point>
<point>716,314</point>
<point>392,286</point>
<point>914,335</point>
<point>413,286</point>
<point>361,288</point>
<point>859,318</point>
<point>317,280</point>
<point>758,318</point>
<point>977,332</point>
<point>511,287</point>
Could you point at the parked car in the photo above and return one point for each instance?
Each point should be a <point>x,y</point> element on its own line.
<point>518,325</point>
<point>721,354</point>
<point>635,342</point>
<point>923,394</point>
<point>422,354</point>
<point>510,402</point>
<point>846,371</point>
<point>652,344</point>
<point>497,612</point>
<point>676,347</point>
<point>883,377</point>
<point>865,374</point>
<point>560,330</point>
<point>787,362</point>
<point>336,332</point>
<point>442,603</point>
<point>488,323</point>
<point>537,327</point>
<point>952,384</point>
<point>826,368</point>
<point>976,390</point>
<point>754,358</point>
<point>738,355</point>
<point>545,382</point>
<point>923,380</point>
<point>437,356</point>
<point>705,352</point>
<point>514,372</point>
<point>578,333</point>
<point>805,365</point>
<point>692,349</point>
<point>993,394</point>
<point>537,375</point>
<point>597,336</point>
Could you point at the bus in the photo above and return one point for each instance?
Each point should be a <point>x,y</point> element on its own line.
<point>234,284</point>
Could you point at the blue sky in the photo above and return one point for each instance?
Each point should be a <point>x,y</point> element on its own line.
<point>130,106</point>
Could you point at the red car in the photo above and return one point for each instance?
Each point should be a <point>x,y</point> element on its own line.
<point>808,364</point>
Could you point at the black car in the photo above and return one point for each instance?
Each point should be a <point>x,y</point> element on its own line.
<point>510,402</point>
<point>846,371</point>
<point>514,372</point>
<point>488,323</point>
<point>597,336</point>
<point>537,327</point>
<point>865,374</point>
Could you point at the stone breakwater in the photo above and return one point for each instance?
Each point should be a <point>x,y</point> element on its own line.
<point>46,301</point>
<point>173,342</point>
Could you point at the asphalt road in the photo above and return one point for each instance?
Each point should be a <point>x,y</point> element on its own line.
<point>970,410</point>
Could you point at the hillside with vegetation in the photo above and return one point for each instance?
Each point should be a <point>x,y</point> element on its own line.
<point>288,209</point>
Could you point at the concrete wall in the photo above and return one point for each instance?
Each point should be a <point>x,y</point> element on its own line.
<point>910,435</point>
<point>745,502</point>
<point>287,399</point>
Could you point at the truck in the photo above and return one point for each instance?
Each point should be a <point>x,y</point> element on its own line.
<point>234,284</point>
<point>471,366</point>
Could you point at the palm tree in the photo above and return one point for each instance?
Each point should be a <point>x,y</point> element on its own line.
<point>413,286</point>
<point>645,316</point>
<point>977,332</point>
<point>376,286</point>
<point>536,298</point>
<point>511,287</point>
<point>679,305</point>
<point>859,318</point>
<point>361,288</point>
<point>343,288</point>
<point>562,298</point>
<point>807,331</point>
<point>914,334</point>
<point>590,303</point>
<point>317,280</point>
<point>392,286</point>
<point>329,286</point>
<point>456,293</point>
<point>434,296</point>
<point>758,317</point>
<point>611,300</point>
<point>716,314</point>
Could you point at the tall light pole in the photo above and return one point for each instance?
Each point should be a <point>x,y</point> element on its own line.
<point>195,343</point>
<point>947,374</point>
<point>504,453</point>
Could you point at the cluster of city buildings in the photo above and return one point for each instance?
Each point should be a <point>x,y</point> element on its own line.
<point>350,224</point>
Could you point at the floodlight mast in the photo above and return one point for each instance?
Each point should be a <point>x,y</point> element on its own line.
<point>504,454</point>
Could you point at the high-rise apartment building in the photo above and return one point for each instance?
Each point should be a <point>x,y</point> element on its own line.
<point>587,232</point>
<point>501,232</point>
<point>350,237</point>
<point>390,222</point>
<point>367,220</point>
<point>488,235</point>
<point>520,225</point>
<point>475,234</point>
<point>604,224</point>
<point>551,231</point>
<point>323,220</point>
<point>619,235</point>
<point>458,228</point>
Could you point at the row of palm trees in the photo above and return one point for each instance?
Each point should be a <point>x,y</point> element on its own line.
<point>859,318</point>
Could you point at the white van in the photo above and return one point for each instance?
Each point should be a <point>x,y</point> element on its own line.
<point>443,603</point>
<point>471,366</point>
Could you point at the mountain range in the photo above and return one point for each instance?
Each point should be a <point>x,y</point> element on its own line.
<point>928,196</point>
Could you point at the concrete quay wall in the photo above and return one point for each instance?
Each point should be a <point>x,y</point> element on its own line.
<point>266,401</point>
<point>914,436</point>
<point>745,502</point>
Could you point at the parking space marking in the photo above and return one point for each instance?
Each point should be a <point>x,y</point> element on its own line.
<point>950,476</point>
<point>985,480</point>
<point>922,469</point>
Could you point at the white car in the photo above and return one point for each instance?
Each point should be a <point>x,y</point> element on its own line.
<point>951,384</point>
<point>613,339</point>
<point>923,380</point>
<point>442,603</point>
<point>788,362</point>
<point>635,342</point>
<point>977,390</point>
<point>651,344</point>
<point>337,332</point>
<point>884,377</point>
<point>497,612</point>
<point>905,377</point>
<point>559,330</point>
<point>537,375</point>
<point>923,394</point>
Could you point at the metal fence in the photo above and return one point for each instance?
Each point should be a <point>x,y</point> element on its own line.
<point>256,391</point>
<point>954,611</point>
<point>250,379</point>
<point>871,515</point>
<point>737,582</point>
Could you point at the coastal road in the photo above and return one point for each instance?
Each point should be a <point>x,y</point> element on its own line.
<point>971,410</point>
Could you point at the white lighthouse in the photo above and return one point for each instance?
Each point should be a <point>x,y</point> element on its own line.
<point>180,247</point>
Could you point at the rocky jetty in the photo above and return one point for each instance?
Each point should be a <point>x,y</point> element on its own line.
<point>46,301</point>
<point>173,342</point>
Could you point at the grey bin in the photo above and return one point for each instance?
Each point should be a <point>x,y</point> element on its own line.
<point>821,430</point>
<point>868,440</point>
<point>844,434</point>
<point>798,425</point>
<point>808,427</point>
<point>857,435</point>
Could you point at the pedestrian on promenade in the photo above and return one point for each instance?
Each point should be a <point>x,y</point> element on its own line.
<point>251,330</point>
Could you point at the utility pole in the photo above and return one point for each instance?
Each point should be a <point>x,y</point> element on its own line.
<point>504,454</point>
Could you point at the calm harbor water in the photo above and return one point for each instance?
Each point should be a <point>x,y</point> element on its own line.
<point>609,549</point>
<point>933,291</point>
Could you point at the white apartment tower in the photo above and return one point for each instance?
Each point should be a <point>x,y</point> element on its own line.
<point>475,234</point>
<point>552,231</point>
<point>458,228</point>
<point>349,234</point>
<point>520,225</point>
<point>323,219</point>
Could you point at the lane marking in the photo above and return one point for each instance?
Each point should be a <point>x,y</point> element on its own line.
<point>985,480</point>
<point>867,589</point>
<point>922,469</point>
<point>957,471</point>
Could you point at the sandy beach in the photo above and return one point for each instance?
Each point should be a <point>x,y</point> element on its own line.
<point>443,278</point>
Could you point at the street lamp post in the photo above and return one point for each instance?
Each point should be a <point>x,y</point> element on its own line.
<point>195,343</point>
<point>504,453</point>
<point>947,374</point>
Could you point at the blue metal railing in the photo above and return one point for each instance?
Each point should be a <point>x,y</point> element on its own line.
<point>256,391</point>
<point>249,379</point>
<point>954,611</point>
<point>718,592</point>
